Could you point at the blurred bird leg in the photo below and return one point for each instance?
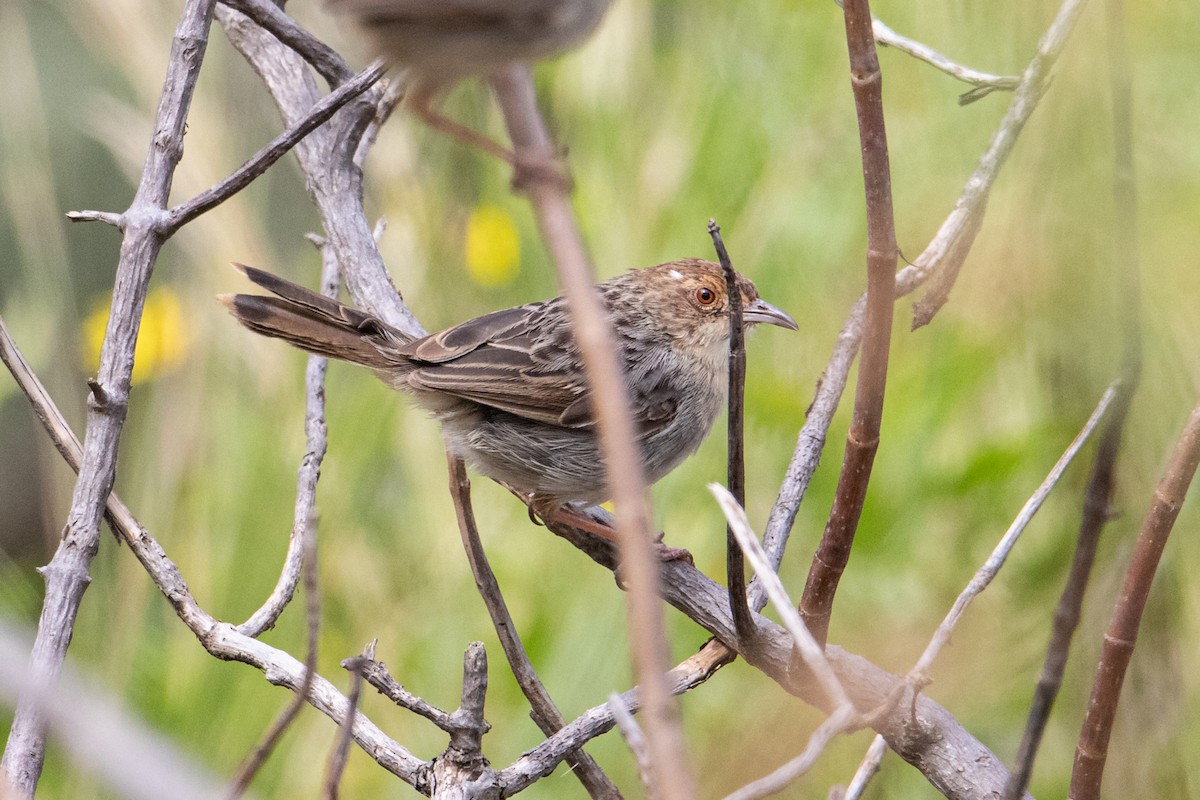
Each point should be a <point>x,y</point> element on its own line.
<point>526,167</point>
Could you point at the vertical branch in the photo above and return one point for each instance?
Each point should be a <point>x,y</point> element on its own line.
<point>735,562</point>
<point>863,440</point>
<point>623,466</point>
<point>1119,641</point>
<point>542,708</point>
<point>1098,497</point>
<point>66,575</point>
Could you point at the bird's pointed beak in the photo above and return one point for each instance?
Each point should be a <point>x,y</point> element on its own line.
<point>762,311</point>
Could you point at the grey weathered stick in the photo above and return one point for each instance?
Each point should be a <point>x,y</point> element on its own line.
<point>844,716</point>
<point>67,573</point>
<point>984,575</point>
<point>867,769</point>
<point>376,673</point>
<point>340,752</point>
<point>623,466</point>
<point>220,639</point>
<point>631,732</point>
<point>862,442</point>
<point>271,17</point>
<point>840,721</point>
<point>806,643</point>
<point>280,146</point>
<point>542,708</point>
<point>735,566</point>
<point>1091,752</point>
<point>984,82</point>
<point>316,436</point>
<point>327,158</point>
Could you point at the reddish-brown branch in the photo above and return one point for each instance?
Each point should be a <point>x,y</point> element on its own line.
<point>816,605</point>
<point>1119,641</point>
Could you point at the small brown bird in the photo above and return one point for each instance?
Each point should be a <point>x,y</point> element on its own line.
<point>509,387</point>
<point>440,42</point>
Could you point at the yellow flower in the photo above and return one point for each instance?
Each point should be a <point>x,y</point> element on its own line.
<point>162,339</point>
<point>493,248</point>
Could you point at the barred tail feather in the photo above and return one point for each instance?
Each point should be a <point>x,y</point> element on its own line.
<point>314,323</point>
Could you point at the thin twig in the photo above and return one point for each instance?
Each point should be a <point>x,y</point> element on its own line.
<point>340,752</point>
<point>844,716</point>
<point>862,442</point>
<point>376,673</point>
<point>279,147</point>
<point>610,402</point>
<point>541,760</point>
<point>66,575</point>
<point>631,732</point>
<point>323,58</point>
<point>112,218</point>
<point>735,565</point>
<point>984,83</point>
<point>984,575</point>
<point>316,443</point>
<point>542,707</point>
<point>1121,637</point>
<point>842,720</point>
<point>867,769</point>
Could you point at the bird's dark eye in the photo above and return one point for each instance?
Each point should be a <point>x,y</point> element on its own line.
<point>705,296</point>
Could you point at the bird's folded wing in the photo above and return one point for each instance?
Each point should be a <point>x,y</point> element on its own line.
<point>523,361</point>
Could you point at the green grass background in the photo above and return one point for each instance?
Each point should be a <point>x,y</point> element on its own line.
<point>674,113</point>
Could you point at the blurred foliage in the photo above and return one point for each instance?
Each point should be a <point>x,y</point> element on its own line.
<point>674,113</point>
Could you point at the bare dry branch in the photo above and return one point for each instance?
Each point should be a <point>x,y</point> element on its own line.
<point>340,752</point>
<point>316,442</point>
<point>984,82</point>
<point>867,769</point>
<point>323,58</point>
<point>280,146</point>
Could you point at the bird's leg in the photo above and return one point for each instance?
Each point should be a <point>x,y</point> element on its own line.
<point>526,167</point>
<point>552,512</point>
